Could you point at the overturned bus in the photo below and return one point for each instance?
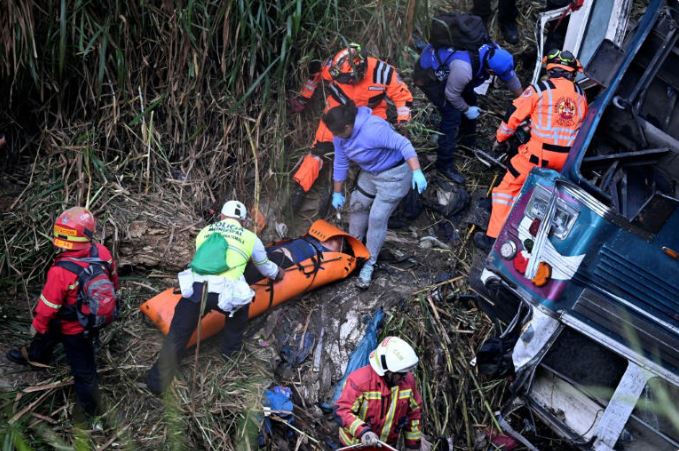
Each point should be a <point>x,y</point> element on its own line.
<point>592,255</point>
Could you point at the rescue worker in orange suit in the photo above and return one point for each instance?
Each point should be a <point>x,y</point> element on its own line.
<point>352,76</point>
<point>556,107</point>
<point>380,401</point>
<point>54,318</point>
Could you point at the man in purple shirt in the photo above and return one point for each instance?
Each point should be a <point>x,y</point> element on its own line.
<point>389,167</point>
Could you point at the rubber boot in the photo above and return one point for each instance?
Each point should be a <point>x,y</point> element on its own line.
<point>483,241</point>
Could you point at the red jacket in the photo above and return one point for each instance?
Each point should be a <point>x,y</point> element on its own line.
<point>367,403</point>
<point>61,289</point>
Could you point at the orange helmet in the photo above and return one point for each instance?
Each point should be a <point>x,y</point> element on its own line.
<point>348,65</point>
<point>74,229</point>
<point>563,60</point>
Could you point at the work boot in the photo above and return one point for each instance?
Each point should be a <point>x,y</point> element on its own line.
<point>509,32</point>
<point>153,383</point>
<point>451,174</point>
<point>20,356</point>
<point>483,241</point>
<point>365,276</point>
<point>16,356</point>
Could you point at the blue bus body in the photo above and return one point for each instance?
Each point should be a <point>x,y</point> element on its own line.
<point>594,252</point>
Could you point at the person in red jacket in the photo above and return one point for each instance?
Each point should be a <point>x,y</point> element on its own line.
<point>54,316</point>
<point>380,401</point>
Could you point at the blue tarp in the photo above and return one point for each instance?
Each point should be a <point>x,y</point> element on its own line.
<point>359,357</point>
<point>279,399</point>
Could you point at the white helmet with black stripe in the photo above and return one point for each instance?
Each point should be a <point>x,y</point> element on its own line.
<point>394,355</point>
<point>235,209</point>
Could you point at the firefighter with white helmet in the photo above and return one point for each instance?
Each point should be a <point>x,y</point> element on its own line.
<point>381,400</point>
<point>223,249</point>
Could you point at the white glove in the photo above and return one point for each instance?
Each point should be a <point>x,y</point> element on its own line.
<point>32,332</point>
<point>370,439</point>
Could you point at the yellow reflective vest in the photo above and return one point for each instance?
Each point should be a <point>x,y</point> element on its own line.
<point>240,240</point>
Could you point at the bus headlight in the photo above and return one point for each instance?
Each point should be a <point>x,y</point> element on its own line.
<point>564,217</point>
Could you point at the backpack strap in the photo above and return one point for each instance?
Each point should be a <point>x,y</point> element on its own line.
<point>69,312</point>
<point>71,267</point>
<point>437,57</point>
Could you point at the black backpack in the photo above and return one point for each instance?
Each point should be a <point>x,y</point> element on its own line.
<point>460,31</point>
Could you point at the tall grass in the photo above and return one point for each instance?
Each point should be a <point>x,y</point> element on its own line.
<point>109,99</point>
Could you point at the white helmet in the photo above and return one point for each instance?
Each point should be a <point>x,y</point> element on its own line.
<point>235,209</point>
<point>394,355</point>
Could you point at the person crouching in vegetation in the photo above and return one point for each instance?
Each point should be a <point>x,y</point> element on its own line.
<point>389,167</point>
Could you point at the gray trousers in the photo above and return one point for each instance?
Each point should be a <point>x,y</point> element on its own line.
<point>372,203</point>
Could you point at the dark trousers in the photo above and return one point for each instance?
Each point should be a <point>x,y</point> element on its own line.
<point>454,125</point>
<point>183,324</point>
<point>80,356</point>
<point>506,10</point>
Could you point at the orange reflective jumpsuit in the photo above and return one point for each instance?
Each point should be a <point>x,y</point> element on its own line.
<point>380,81</point>
<point>556,108</point>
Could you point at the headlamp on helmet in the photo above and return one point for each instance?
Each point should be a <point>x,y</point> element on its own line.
<point>348,65</point>
<point>563,60</point>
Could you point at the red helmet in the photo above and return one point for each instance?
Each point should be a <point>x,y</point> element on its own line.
<point>74,229</point>
<point>348,65</point>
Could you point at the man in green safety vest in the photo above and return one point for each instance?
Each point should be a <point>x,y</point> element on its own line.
<point>223,250</point>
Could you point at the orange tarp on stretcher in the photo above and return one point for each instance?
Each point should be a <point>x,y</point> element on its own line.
<point>325,267</point>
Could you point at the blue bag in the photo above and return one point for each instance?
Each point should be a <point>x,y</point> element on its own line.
<point>359,357</point>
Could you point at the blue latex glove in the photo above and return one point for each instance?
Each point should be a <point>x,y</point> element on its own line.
<point>473,112</point>
<point>419,181</point>
<point>337,200</point>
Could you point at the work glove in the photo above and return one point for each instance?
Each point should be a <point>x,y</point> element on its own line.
<point>280,275</point>
<point>370,439</point>
<point>32,332</point>
<point>473,112</point>
<point>500,147</point>
<point>298,104</point>
<point>419,181</point>
<point>337,200</point>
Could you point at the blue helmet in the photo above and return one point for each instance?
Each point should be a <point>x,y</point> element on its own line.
<point>501,63</point>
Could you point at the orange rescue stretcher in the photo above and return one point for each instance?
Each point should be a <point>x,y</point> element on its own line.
<point>324,255</point>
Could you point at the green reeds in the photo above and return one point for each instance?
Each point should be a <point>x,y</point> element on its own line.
<point>158,108</point>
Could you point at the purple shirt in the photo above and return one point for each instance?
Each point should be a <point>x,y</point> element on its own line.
<point>374,145</point>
